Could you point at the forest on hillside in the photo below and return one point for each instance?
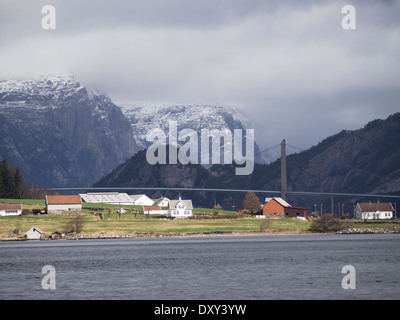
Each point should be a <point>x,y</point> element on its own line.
<point>14,186</point>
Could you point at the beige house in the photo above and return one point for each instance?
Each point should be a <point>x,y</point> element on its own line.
<point>374,211</point>
<point>59,204</point>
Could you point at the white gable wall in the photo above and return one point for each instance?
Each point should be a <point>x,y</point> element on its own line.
<point>10,212</point>
<point>180,210</point>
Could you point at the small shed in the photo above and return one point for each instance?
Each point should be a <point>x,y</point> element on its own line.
<point>57,235</point>
<point>34,234</point>
<point>10,209</point>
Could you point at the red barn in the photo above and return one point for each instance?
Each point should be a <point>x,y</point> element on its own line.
<point>279,207</point>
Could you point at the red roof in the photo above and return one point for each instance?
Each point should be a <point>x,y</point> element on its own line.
<point>60,199</point>
<point>151,208</point>
<point>10,206</point>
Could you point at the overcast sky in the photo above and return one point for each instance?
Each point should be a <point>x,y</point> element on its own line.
<point>289,64</point>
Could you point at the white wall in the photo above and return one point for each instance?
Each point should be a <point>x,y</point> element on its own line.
<point>374,215</point>
<point>179,213</point>
<point>32,234</point>
<point>10,213</point>
<point>63,208</point>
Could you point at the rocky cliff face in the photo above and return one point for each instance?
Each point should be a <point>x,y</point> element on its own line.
<point>60,134</point>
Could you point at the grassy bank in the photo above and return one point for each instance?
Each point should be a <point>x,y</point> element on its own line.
<point>130,222</point>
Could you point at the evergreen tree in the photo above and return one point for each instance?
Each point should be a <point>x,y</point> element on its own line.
<point>20,185</point>
<point>2,188</point>
<point>8,178</point>
<point>12,183</point>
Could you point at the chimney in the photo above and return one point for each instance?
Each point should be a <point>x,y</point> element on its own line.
<point>283,170</point>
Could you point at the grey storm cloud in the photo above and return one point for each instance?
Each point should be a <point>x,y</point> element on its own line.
<point>289,64</point>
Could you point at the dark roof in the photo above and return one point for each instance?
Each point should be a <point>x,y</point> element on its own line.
<point>373,207</point>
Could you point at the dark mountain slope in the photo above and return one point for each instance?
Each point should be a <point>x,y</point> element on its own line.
<point>360,161</point>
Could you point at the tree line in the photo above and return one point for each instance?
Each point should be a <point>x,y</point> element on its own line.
<point>14,186</point>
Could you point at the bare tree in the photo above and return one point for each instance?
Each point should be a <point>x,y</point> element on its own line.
<point>75,224</point>
<point>265,224</point>
<point>251,202</point>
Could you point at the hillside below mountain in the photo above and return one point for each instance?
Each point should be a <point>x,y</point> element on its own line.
<point>359,161</point>
<point>59,133</point>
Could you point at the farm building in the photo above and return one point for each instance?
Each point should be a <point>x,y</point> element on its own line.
<point>34,234</point>
<point>58,204</point>
<point>279,207</point>
<point>162,202</point>
<point>141,200</point>
<point>374,211</point>
<point>10,209</point>
<point>107,197</point>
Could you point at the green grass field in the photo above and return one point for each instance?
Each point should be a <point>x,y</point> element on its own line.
<point>129,222</point>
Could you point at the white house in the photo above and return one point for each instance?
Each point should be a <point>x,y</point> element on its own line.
<point>10,209</point>
<point>34,233</point>
<point>162,202</point>
<point>107,197</point>
<point>63,204</point>
<point>180,208</point>
<point>141,200</point>
<point>374,211</point>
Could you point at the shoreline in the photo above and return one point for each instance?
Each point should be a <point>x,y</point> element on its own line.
<point>136,235</point>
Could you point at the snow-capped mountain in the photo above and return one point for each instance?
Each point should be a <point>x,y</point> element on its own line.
<point>195,117</point>
<point>59,133</point>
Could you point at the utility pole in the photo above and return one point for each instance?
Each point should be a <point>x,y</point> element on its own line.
<point>283,170</point>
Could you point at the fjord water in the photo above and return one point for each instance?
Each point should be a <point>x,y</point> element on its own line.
<point>227,267</point>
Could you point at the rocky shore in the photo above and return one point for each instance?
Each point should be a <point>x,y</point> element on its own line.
<point>130,235</point>
<point>368,230</point>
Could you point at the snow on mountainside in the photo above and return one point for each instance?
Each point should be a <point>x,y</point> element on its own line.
<point>196,117</point>
<point>41,89</point>
<point>59,133</point>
